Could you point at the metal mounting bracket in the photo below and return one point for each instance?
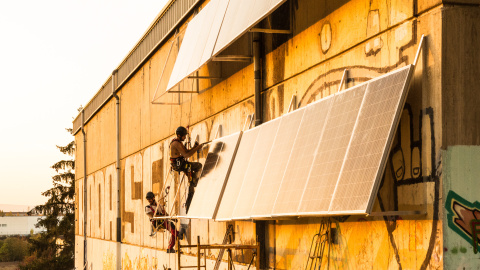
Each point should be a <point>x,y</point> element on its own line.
<point>293,104</point>
<point>233,58</point>
<point>270,31</point>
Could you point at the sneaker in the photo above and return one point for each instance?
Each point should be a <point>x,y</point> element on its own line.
<point>170,250</point>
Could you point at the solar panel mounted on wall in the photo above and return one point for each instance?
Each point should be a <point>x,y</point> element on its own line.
<point>237,174</point>
<point>205,18</point>
<point>277,162</point>
<point>301,159</point>
<point>241,15</point>
<point>212,181</point>
<point>198,41</point>
<point>186,52</point>
<point>331,151</point>
<point>256,167</point>
<point>368,150</point>
<point>221,8</point>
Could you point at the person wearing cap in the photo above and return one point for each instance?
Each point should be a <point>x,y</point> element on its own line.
<point>178,159</point>
<point>156,210</point>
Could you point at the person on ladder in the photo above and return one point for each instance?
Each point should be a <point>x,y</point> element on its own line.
<point>156,210</point>
<point>178,160</point>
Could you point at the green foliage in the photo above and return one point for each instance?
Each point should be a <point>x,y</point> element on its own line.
<point>2,214</point>
<point>55,247</point>
<point>13,249</point>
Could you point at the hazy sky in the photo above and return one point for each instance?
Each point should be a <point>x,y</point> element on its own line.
<point>55,55</point>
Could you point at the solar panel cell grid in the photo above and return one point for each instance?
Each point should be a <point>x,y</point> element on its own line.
<point>256,167</point>
<point>331,151</point>
<point>369,143</point>
<point>303,153</point>
<point>277,162</point>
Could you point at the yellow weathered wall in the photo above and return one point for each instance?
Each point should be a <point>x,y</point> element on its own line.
<point>369,38</point>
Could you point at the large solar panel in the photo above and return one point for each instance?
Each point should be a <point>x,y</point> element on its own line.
<point>212,181</point>
<point>301,158</point>
<point>218,25</point>
<point>205,19</point>
<point>237,174</point>
<point>256,167</point>
<point>186,52</point>
<point>331,151</point>
<point>277,162</point>
<point>370,144</point>
<point>198,41</point>
<point>240,16</point>
<point>221,8</point>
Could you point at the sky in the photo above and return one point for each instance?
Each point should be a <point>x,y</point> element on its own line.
<point>54,56</point>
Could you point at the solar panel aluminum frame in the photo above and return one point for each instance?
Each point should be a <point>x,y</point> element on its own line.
<point>384,158</point>
<point>387,147</point>
<point>224,182</point>
<point>389,143</point>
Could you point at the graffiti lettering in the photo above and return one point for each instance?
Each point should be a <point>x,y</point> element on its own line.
<point>460,214</point>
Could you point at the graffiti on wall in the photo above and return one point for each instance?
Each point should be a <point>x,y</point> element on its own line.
<point>460,213</point>
<point>412,173</point>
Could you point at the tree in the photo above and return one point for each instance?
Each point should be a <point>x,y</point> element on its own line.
<point>59,220</point>
<point>13,249</point>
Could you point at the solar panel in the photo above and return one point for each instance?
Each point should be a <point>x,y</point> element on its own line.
<point>240,16</point>
<point>369,147</point>
<point>302,156</point>
<point>186,52</point>
<point>212,181</point>
<point>256,167</point>
<point>239,169</point>
<point>218,25</point>
<point>221,8</point>
<point>331,151</point>
<point>277,162</point>
<point>205,19</point>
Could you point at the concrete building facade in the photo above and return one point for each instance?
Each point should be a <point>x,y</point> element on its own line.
<point>429,193</point>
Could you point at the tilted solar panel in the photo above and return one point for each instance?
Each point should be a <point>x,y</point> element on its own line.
<point>256,167</point>
<point>205,18</point>
<point>240,16</point>
<point>368,150</point>
<point>331,151</point>
<point>237,174</point>
<point>212,181</point>
<point>277,162</point>
<point>186,52</point>
<point>301,159</point>
<point>218,16</point>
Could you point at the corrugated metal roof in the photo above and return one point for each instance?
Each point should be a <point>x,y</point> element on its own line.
<point>164,25</point>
